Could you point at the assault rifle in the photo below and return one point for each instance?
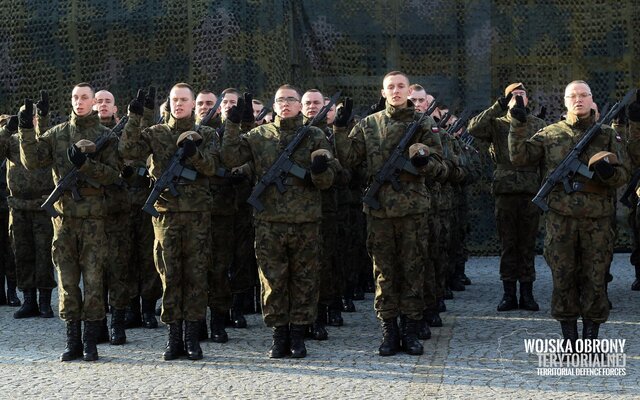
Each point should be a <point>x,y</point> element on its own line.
<point>277,173</point>
<point>263,113</point>
<point>70,180</point>
<point>630,190</point>
<point>571,164</point>
<point>395,164</point>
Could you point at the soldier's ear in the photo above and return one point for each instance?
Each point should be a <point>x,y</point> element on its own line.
<point>382,93</point>
<point>115,109</point>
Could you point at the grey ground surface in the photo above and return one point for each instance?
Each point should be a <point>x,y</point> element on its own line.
<point>479,354</point>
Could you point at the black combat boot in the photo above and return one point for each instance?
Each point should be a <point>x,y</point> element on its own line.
<point>192,340</point>
<point>347,305</point>
<point>410,343</point>
<point>442,307</point>
<point>423,332</point>
<point>456,284</point>
<point>203,333</point>
<point>318,329</point>
<point>636,284</point>
<point>133,318</point>
<point>358,293</point>
<point>90,350</point>
<point>218,333</point>
<point>590,329</point>
<point>149,320</point>
<point>334,317</point>
<point>390,337</point>
<point>30,306</point>
<point>432,318</point>
<point>45,303</point>
<point>12,296</point>
<point>527,302</point>
<point>118,334</point>
<point>509,299</point>
<point>3,294</point>
<point>73,349</point>
<point>280,346</point>
<point>448,294</point>
<point>237,312</point>
<point>298,349</point>
<point>570,331</point>
<point>175,345</point>
<point>103,331</point>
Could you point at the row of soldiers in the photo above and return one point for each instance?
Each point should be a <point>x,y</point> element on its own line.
<point>302,283</point>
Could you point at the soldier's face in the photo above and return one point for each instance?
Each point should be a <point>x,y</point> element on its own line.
<point>228,101</point>
<point>257,108</point>
<point>82,101</point>
<point>204,102</point>
<point>312,103</point>
<point>287,103</point>
<point>182,102</point>
<point>521,93</point>
<point>578,99</point>
<point>396,90</point>
<point>105,104</point>
<point>419,99</point>
<point>331,114</point>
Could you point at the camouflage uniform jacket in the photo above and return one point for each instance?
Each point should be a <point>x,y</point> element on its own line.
<point>117,198</point>
<point>50,149</point>
<point>492,125</point>
<point>552,143</point>
<point>262,145</point>
<point>160,141</point>
<point>373,139</point>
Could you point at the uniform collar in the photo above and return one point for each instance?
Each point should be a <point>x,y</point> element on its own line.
<point>288,124</point>
<point>322,124</point>
<point>87,121</point>
<point>583,123</point>
<point>183,124</point>
<point>400,114</point>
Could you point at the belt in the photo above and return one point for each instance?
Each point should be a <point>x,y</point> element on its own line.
<point>89,191</point>
<point>589,187</point>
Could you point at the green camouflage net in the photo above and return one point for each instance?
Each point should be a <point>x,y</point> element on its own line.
<point>463,52</point>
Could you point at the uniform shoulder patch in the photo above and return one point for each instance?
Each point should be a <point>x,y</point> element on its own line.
<point>435,129</point>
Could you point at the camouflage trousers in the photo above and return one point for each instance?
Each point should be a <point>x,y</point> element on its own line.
<point>398,247</point>
<point>348,240</point>
<point>80,249</point>
<point>144,280</point>
<point>331,279</point>
<point>517,224</point>
<point>182,255</point>
<point>7,261</point>
<point>634,259</point>
<point>244,269</point>
<point>222,248</point>
<point>31,233</point>
<point>458,254</point>
<point>288,257</point>
<point>117,276</point>
<point>442,245</point>
<point>579,252</point>
<point>432,290</point>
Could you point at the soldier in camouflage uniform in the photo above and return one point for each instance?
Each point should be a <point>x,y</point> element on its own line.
<point>30,227</point>
<point>183,228</point>
<point>579,236</point>
<point>288,229</point>
<point>633,148</point>
<point>80,246</point>
<point>513,187</point>
<point>396,231</point>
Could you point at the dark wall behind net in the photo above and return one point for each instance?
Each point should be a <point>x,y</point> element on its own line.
<point>464,52</point>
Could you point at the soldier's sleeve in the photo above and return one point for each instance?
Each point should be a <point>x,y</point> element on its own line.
<point>325,179</point>
<point>235,149</point>
<point>104,169</point>
<point>133,143</point>
<point>350,148</point>
<point>623,170</point>
<point>435,168</point>
<point>633,144</point>
<point>207,158</point>
<point>43,124</point>
<point>481,126</point>
<point>36,152</point>
<point>522,149</point>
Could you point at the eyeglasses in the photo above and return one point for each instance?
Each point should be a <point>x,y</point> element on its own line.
<point>290,100</point>
<point>579,95</point>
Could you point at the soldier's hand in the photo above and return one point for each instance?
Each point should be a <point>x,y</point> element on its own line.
<point>12,124</point>
<point>76,156</point>
<point>189,148</point>
<point>247,110</point>
<point>43,104</point>
<point>235,113</point>
<point>319,164</point>
<point>543,113</point>
<point>379,106</point>
<point>137,105</point>
<point>127,171</point>
<point>150,99</point>
<point>419,154</point>
<point>343,114</point>
<point>634,108</point>
<point>519,111</point>
<point>504,101</point>
<point>603,169</point>
<point>25,116</point>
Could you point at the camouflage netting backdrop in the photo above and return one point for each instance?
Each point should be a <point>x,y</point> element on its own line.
<point>464,52</point>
